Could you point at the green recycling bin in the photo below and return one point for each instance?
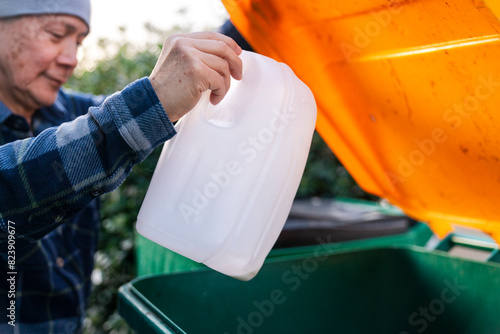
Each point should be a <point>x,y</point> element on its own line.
<point>366,288</point>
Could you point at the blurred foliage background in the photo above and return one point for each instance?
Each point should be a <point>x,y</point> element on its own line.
<point>324,176</point>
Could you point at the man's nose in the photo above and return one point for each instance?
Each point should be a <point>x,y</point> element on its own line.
<point>67,57</point>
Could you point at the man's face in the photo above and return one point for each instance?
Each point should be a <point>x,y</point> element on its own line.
<point>37,56</point>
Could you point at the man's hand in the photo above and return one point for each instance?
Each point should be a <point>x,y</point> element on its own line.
<point>189,65</point>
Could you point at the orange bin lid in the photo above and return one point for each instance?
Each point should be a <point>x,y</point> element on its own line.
<point>408,95</point>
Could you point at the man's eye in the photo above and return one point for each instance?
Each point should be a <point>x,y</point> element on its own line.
<point>55,34</point>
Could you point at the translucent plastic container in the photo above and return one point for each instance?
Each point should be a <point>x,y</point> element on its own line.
<point>224,185</point>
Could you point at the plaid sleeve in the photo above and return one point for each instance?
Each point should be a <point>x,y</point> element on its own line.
<point>46,179</point>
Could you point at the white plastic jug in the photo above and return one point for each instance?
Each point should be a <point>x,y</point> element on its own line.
<point>224,185</point>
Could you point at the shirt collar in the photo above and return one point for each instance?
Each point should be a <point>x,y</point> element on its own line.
<point>4,112</point>
<point>55,112</point>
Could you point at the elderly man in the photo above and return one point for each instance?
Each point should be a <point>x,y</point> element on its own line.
<point>60,151</point>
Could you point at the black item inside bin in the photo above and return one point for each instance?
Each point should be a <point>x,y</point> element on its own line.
<point>335,221</point>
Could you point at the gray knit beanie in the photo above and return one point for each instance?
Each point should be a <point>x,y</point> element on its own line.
<point>78,8</point>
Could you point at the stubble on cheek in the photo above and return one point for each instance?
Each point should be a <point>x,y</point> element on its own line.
<point>19,45</point>
<point>26,65</point>
<point>21,49</point>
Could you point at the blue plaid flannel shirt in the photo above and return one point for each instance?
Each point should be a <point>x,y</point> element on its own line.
<point>50,177</point>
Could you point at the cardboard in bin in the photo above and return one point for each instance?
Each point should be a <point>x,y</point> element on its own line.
<point>408,95</point>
